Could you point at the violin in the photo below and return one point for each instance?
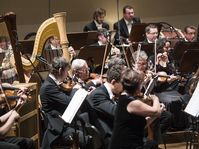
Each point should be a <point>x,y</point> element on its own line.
<point>67,84</point>
<point>10,95</point>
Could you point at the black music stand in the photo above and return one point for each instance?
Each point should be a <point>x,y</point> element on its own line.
<point>93,55</point>
<point>189,61</point>
<point>80,39</point>
<point>180,47</point>
<point>138,31</point>
<point>147,47</point>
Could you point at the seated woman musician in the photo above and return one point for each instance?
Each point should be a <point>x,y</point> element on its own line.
<point>6,122</point>
<point>131,113</point>
<point>164,66</point>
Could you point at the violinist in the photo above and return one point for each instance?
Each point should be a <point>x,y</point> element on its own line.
<point>54,101</point>
<point>164,66</point>
<point>161,124</point>
<point>103,103</point>
<point>6,122</point>
<point>131,113</point>
<point>81,74</point>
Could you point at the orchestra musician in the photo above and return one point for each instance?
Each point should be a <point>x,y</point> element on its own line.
<point>190,33</point>
<point>131,113</point>
<point>103,39</point>
<point>80,71</point>
<point>103,104</point>
<point>124,25</point>
<point>6,122</point>
<point>151,33</point>
<point>54,101</point>
<point>98,21</point>
<point>163,123</point>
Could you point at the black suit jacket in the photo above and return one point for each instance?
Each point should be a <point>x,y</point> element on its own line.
<point>123,28</point>
<point>102,110</point>
<point>54,102</point>
<point>92,27</point>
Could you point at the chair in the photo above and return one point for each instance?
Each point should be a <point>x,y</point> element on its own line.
<point>97,142</point>
<point>181,135</point>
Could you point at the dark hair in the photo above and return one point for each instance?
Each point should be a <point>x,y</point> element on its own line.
<point>191,27</point>
<point>127,7</point>
<point>103,31</point>
<point>57,63</point>
<point>161,43</point>
<point>131,80</point>
<point>148,27</point>
<point>114,73</point>
<point>98,12</point>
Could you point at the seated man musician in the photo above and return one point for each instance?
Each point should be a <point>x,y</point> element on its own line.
<point>151,33</point>
<point>6,122</point>
<point>81,75</point>
<point>190,33</point>
<point>103,105</point>
<point>54,102</point>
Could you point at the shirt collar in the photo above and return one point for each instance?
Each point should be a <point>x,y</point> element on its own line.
<point>109,90</point>
<point>54,79</point>
<point>99,26</point>
<point>127,22</point>
<point>100,43</point>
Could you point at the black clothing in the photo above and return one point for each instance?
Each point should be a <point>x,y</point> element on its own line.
<point>54,102</point>
<point>124,33</point>
<point>16,143</point>
<point>128,130</point>
<point>92,27</point>
<point>102,111</point>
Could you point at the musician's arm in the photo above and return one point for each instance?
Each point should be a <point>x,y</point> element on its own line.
<point>140,108</point>
<point>11,116</point>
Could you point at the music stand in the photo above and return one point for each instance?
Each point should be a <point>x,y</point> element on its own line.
<point>138,31</point>
<point>181,47</point>
<point>189,61</point>
<point>80,39</point>
<point>96,53</point>
<point>147,47</point>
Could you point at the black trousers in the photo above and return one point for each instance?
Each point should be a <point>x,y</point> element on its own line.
<point>16,143</point>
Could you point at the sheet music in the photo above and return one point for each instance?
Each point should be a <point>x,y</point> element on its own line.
<point>74,105</point>
<point>192,107</point>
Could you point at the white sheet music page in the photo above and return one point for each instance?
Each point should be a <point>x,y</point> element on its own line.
<point>192,107</point>
<point>74,105</point>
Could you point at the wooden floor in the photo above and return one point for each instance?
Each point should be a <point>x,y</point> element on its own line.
<point>174,146</point>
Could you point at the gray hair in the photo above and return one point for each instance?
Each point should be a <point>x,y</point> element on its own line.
<point>77,64</point>
<point>140,55</point>
<point>116,61</point>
